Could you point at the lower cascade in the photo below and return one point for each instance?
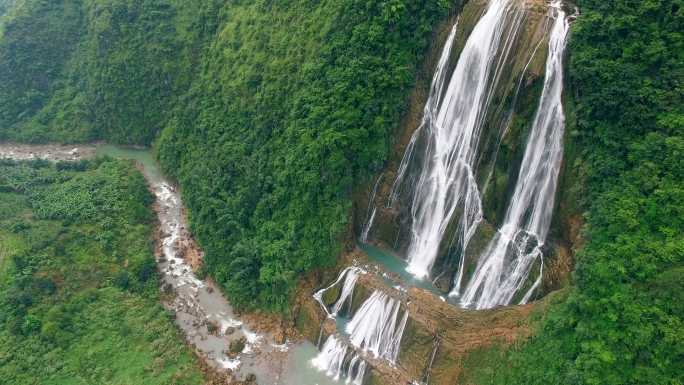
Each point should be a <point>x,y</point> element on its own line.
<point>377,327</point>
<point>503,268</point>
<point>338,361</point>
<point>375,330</point>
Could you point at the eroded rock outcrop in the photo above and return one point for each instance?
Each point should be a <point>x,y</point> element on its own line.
<point>437,336</point>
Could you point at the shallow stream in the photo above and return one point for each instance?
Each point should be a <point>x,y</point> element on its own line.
<point>198,304</point>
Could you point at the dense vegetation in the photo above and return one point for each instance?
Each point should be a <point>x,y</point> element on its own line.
<point>78,70</point>
<point>78,285</point>
<point>270,111</point>
<point>296,102</point>
<point>623,321</point>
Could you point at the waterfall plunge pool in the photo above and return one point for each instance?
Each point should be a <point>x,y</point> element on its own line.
<point>395,265</point>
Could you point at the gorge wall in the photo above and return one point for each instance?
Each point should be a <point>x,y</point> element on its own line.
<point>278,119</point>
<point>501,150</point>
<point>438,336</point>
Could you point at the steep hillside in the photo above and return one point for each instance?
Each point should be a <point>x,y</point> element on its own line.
<point>37,40</point>
<point>296,102</point>
<point>271,114</point>
<point>623,320</point>
<point>79,299</point>
<point>73,70</point>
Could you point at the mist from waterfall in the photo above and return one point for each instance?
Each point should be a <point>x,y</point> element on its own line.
<point>503,268</point>
<point>452,126</point>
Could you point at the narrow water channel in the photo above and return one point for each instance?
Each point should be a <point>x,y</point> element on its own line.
<point>202,312</point>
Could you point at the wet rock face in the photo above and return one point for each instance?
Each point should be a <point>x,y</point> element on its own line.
<point>437,336</point>
<point>416,348</point>
<point>331,295</point>
<point>213,328</point>
<point>500,152</point>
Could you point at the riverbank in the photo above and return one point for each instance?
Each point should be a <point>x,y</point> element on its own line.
<point>52,152</point>
<point>233,347</point>
<point>79,297</point>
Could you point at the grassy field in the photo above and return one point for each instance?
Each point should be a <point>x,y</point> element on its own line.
<point>78,284</point>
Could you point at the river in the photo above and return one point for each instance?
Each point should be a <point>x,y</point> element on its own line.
<point>202,312</point>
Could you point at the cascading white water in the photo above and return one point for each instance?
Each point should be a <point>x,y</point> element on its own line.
<point>505,265</point>
<point>370,212</point>
<point>357,370</point>
<point>429,112</point>
<point>350,276</point>
<point>335,358</point>
<point>338,361</point>
<point>367,227</point>
<point>453,125</point>
<point>377,327</point>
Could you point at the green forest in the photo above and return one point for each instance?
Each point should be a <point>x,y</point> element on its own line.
<point>269,114</point>
<point>79,298</point>
<point>622,321</point>
<point>282,117</point>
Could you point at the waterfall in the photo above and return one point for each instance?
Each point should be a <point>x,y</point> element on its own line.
<point>350,276</point>
<point>429,112</point>
<point>367,227</point>
<point>503,268</point>
<point>338,361</point>
<point>452,125</point>
<point>370,211</point>
<point>377,327</point>
<point>336,358</point>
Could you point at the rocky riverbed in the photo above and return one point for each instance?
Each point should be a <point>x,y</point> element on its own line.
<point>53,152</point>
<point>229,345</point>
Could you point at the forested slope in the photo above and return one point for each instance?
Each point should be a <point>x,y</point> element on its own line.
<point>296,102</point>
<point>269,112</point>
<point>623,320</point>
<point>79,297</point>
<point>79,70</point>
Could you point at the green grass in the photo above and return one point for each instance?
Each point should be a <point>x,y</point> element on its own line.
<point>78,289</point>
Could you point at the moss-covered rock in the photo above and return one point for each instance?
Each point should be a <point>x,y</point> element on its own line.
<point>331,295</point>
<point>309,317</point>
